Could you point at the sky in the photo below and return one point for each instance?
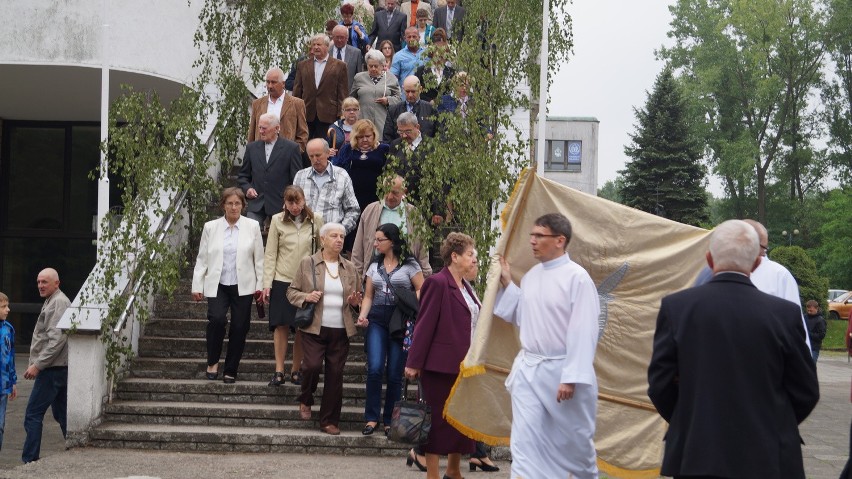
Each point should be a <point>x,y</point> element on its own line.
<point>612,68</point>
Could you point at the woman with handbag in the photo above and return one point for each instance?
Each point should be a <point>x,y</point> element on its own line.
<point>228,271</point>
<point>293,234</point>
<point>327,284</point>
<point>390,272</point>
<point>448,307</point>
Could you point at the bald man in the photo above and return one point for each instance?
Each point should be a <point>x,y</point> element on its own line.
<point>290,111</point>
<point>48,365</point>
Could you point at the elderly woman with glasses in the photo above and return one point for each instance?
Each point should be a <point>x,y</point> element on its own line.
<point>229,272</point>
<point>391,271</point>
<point>364,158</point>
<point>330,281</point>
<point>376,89</point>
<point>448,309</point>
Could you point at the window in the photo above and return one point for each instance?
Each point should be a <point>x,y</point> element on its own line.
<point>563,155</point>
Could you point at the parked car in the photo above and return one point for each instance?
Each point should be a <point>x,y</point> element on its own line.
<point>840,307</point>
<point>834,293</point>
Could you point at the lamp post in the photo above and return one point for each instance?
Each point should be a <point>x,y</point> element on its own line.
<point>789,235</point>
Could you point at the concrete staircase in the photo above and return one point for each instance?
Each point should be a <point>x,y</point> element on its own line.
<point>166,403</point>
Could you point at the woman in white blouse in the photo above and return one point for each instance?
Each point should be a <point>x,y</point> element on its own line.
<point>228,271</point>
<point>330,281</point>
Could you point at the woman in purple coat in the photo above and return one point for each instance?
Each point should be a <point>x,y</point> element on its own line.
<point>441,340</point>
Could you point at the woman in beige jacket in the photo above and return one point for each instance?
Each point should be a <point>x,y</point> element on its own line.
<point>330,281</point>
<point>293,235</point>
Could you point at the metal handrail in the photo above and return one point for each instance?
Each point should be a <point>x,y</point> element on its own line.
<point>162,231</point>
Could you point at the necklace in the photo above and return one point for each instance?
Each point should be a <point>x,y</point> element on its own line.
<point>336,273</point>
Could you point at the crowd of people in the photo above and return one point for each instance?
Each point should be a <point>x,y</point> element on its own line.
<point>332,173</point>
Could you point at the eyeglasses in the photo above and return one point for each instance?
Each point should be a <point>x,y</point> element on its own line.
<point>379,240</point>
<point>350,110</point>
<point>232,204</point>
<point>405,132</point>
<point>539,236</point>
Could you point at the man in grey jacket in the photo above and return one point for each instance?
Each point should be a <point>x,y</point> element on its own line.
<point>48,365</point>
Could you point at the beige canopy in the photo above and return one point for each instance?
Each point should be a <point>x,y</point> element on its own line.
<point>635,259</point>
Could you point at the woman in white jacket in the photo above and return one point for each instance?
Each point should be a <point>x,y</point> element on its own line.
<point>228,271</point>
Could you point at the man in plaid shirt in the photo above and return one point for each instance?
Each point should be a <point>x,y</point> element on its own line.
<point>328,189</point>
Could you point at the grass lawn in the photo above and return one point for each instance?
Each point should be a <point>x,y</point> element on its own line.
<point>834,337</point>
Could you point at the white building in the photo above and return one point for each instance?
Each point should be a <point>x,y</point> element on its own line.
<point>571,152</point>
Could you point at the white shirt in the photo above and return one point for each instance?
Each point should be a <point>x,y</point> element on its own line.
<point>267,147</point>
<point>332,297</point>
<point>416,142</point>
<point>229,255</point>
<point>274,106</point>
<point>342,53</point>
<point>319,69</point>
<point>773,278</point>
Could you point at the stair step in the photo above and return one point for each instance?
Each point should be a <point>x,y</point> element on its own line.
<point>216,392</point>
<point>241,439</point>
<point>197,328</point>
<point>236,415</point>
<point>258,370</point>
<point>169,347</point>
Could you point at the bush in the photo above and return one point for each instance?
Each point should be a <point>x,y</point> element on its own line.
<point>803,268</point>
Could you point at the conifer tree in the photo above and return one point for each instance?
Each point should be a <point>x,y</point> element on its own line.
<point>665,176</point>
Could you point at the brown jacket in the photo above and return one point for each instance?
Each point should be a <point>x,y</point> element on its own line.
<point>303,284</point>
<point>362,250</point>
<point>326,102</point>
<point>294,127</point>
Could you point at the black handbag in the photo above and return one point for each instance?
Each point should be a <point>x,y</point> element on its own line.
<point>305,314</point>
<point>411,419</point>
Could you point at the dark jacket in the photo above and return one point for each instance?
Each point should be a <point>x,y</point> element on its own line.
<point>733,376</point>
<point>442,333</point>
<point>269,178</point>
<point>816,329</point>
<point>425,117</point>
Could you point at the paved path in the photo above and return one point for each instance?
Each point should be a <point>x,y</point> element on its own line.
<point>826,434</point>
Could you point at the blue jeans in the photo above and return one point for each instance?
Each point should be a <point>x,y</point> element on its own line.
<point>4,400</point>
<point>49,390</point>
<point>381,350</point>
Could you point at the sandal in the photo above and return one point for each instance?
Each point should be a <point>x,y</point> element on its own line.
<point>277,379</point>
<point>296,377</point>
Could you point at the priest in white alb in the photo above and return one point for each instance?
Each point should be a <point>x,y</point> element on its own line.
<point>553,385</point>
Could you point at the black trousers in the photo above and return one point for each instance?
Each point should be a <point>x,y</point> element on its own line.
<point>317,129</point>
<point>228,297</point>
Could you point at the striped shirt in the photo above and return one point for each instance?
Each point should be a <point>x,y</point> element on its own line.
<point>335,199</point>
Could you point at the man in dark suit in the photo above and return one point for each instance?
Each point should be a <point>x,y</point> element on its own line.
<point>322,82</point>
<point>293,125</point>
<point>435,77</point>
<point>269,166</point>
<point>346,53</point>
<point>422,110</point>
<point>450,19</point>
<point>388,24</point>
<point>410,149</point>
<point>730,371</point>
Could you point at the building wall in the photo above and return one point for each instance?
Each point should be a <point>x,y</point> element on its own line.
<point>151,36</point>
<point>584,130</point>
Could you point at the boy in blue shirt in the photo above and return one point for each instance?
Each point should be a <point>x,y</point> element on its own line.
<point>8,377</point>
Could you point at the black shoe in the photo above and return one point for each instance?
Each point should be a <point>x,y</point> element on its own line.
<point>368,430</point>
<point>482,465</point>
<point>228,380</point>
<point>412,459</point>
<point>211,376</point>
<point>296,378</point>
<point>277,379</point>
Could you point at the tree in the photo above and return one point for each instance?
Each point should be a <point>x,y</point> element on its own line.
<point>611,190</point>
<point>834,251</point>
<point>803,268</point>
<point>665,175</point>
<point>749,66</point>
<point>837,93</point>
